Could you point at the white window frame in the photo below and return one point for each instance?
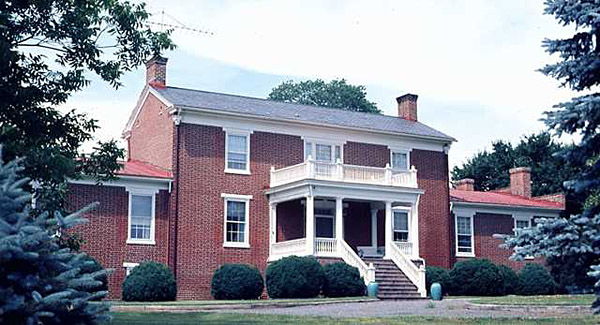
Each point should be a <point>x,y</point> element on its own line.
<point>141,192</point>
<point>400,150</point>
<point>472,219</point>
<point>245,133</point>
<point>129,266</point>
<point>236,198</point>
<point>408,211</point>
<point>529,220</point>
<point>313,144</point>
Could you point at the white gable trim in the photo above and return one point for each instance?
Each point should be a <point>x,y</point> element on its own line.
<point>138,107</point>
<point>155,184</point>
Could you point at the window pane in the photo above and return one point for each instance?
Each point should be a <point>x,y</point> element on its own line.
<point>236,211</point>
<point>522,224</point>
<point>324,227</point>
<point>401,236</point>
<point>463,225</point>
<point>237,152</point>
<point>237,143</point>
<point>399,161</point>
<point>141,205</point>
<point>338,153</point>
<point>236,222</point>
<point>323,152</point>
<point>401,221</point>
<point>308,150</point>
<point>236,161</point>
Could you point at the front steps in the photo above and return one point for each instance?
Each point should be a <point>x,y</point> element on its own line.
<point>393,284</point>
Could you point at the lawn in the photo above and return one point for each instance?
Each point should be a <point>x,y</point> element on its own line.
<point>225,318</point>
<point>556,300</point>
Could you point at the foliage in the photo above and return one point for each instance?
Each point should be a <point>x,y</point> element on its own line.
<point>150,281</point>
<point>535,280</point>
<point>578,68</point>
<point>342,280</point>
<point>570,273</point>
<point>40,282</point>
<point>295,277</point>
<point>48,48</point>
<point>236,281</point>
<point>510,279</point>
<point>489,169</point>
<point>440,275</point>
<point>476,277</point>
<point>91,265</point>
<point>335,94</point>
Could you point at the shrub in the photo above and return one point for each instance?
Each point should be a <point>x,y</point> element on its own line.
<point>440,275</point>
<point>476,278</point>
<point>510,280</point>
<point>535,280</point>
<point>149,281</point>
<point>236,281</point>
<point>295,277</point>
<point>342,280</point>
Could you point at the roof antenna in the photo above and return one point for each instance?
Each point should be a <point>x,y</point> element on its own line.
<point>175,24</point>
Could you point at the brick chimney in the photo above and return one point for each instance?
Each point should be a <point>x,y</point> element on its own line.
<point>156,72</point>
<point>520,181</point>
<point>465,184</point>
<point>407,107</point>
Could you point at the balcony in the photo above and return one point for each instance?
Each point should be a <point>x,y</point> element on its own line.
<point>311,169</point>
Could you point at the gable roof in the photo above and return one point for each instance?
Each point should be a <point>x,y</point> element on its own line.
<point>141,169</point>
<point>495,198</point>
<point>270,109</point>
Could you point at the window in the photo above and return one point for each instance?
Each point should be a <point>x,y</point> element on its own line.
<point>400,160</point>
<point>141,217</point>
<point>520,224</point>
<point>464,236</point>
<point>400,226</point>
<point>319,151</point>
<point>236,220</point>
<point>237,152</point>
<point>128,267</point>
<point>324,223</point>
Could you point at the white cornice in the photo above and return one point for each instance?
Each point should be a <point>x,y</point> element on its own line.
<point>504,209</point>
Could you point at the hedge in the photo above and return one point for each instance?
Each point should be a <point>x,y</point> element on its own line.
<point>342,280</point>
<point>536,280</point>
<point>440,275</point>
<point>510,279</point>
<point>295,277</point>
<point>476,277</point>
<point>150,281</point>
<point>236,281</point>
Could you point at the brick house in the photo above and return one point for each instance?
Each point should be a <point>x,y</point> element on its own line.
<point>215,178</point>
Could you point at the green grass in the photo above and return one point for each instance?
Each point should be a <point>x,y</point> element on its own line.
<point>237,302</point>
<point>556,300</point>
<point>224,318</point>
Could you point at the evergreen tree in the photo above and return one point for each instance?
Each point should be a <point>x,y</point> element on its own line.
<point>579,69</point>
<point>40,282</point>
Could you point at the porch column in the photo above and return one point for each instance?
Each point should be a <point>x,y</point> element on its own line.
<point>339,221</point>
<point>388,227</point>
<point>272,226</point>
<point>414,211</point>
<point>310,225</point>
<point>374,228</point>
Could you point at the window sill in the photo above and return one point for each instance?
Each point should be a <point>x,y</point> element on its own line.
<point>236,245</point>
<point>140,242</point>
<point>237,171</point>
<point>529,258</point>
<point>465,255</point>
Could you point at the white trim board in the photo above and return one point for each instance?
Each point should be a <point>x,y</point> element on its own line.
<point>138,107</point>
<point>130,182</point>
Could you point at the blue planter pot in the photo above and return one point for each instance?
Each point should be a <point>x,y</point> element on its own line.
<point>436,291</point>
<point>373,289</point>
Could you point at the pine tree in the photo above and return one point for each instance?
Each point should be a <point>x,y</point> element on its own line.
<point>579,69</point>
<point>39,281</point>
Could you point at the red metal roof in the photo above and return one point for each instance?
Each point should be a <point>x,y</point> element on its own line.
<point>141,169</point>
<point>501,199</point>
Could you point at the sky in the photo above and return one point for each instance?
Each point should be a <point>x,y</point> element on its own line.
<point>472,63</point>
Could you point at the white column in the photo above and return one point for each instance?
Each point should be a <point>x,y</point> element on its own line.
<point>339,218</point>
<point>388,227</point>
<point>374,229</point>
<point>310,225</point>
<point>272,226</point>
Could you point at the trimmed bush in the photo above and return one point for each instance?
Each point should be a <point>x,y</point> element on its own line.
<point>295,277</point>
<point>236,281</point>
<point>150,281</point>
<point>476,278</point>
<point>536,280</point>
<point>510,279</point>
<point>440,275</point>
<point>342,280</point>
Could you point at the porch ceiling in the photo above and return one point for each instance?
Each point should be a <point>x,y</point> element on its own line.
<point>344,190</point>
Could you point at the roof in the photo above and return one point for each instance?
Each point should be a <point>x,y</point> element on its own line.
<point>495,198</point>
<point>270,109</point>
<point>142,169</point>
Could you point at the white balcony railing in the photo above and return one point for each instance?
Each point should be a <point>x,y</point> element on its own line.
<point>405,247</point>
<point>311,169</point>
<point>287,248</point>
<point>416,274</point>
<point>325,247</point>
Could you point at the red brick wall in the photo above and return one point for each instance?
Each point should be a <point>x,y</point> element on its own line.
<point>434,206</point>
<point>106,233</point>
<point>200,226</point>
<point>290,220</point>
<point>366,154</point>
<point>151,138</point>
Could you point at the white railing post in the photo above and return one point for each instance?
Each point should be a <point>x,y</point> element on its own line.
<point>422,282</point>
<point>339,169</point>
<point>310,167</point>
<point>371,273</point>
<point>310,225</point>
<point>388,174</point>
<point>413,176</point>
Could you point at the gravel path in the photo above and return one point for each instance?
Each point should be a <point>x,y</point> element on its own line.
<point>388,308</point>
